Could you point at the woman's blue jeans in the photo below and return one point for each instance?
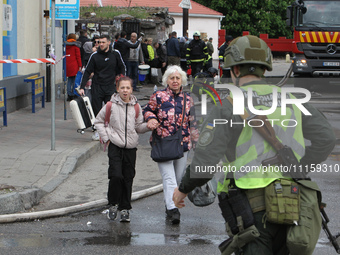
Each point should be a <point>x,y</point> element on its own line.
<point>70,85</point>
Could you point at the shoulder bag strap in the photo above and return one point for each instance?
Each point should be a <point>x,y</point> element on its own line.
<point>184,106</point>
<point>136,110</point>
<point>107,113</point>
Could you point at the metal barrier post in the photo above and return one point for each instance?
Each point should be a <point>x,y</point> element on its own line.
<point>3,104</point>
<point>38,89</point>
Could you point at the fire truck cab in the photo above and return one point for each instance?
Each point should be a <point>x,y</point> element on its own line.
<point>316,40</point>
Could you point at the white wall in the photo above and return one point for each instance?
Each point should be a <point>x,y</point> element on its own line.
<point>208,25</point>
<point>32,37</point>
<point>29,20</point>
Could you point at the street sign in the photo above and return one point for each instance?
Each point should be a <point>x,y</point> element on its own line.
<point>66,9</point>
<point>185,4</point>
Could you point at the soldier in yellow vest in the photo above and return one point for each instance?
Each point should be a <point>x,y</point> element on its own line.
<point>232,138</point>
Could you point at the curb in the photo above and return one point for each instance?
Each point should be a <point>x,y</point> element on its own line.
<point>10,218</point>
<point>26,199</point>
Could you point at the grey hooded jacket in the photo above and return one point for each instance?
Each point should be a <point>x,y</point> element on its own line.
<point>123,127</point>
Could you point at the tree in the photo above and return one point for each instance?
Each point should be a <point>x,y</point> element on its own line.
<point>255,16</point>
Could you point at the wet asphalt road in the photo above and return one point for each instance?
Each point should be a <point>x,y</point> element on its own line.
<point>200,231</point>
<point>149,232</point>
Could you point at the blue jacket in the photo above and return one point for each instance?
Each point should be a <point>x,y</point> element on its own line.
<point>172,47</point>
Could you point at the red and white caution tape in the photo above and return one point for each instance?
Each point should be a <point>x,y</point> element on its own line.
<point>31,60</point>
<point>61,59</point>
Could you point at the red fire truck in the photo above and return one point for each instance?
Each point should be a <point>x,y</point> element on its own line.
<point>316,44</point>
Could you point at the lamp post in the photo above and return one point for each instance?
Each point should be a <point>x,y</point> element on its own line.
<point>185,5</point>
<point>53,80</point>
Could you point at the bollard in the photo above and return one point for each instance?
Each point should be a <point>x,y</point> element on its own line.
<point>3,104</point>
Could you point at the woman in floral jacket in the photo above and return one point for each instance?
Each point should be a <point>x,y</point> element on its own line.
<point>165,106</point>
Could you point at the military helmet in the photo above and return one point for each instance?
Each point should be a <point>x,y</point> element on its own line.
<point>228,38</point>
<point>212,70</point>
<point>197,33</point>
<point>248,49</point>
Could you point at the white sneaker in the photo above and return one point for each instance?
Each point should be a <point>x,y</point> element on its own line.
<point>95,136</point>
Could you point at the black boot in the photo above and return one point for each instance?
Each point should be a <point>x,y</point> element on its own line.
<point>174,215</point>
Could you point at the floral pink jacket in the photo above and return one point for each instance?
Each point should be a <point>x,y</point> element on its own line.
<point>166,107</point>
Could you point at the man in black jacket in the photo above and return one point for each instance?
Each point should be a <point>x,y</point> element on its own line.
<point>82,39</point>
<point>123,46</point>
<point>161,56</point>
<point>202,78</point>
<point>103,63</point>
<point>224,46</point>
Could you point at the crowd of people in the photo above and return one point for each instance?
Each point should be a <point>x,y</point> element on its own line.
<point>96,58</point>
<point>194,54</point>
<point>170,112</point>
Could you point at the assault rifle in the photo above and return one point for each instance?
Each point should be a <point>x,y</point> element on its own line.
<point>285,157</point>
<point>325,220</point>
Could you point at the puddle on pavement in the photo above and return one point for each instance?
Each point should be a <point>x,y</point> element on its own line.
<point>123,239</point>
<point>119,239</point>
<point>138,239</point>
<point>34,241</point>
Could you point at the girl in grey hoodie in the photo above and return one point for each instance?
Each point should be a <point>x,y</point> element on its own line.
<point>121,133</point>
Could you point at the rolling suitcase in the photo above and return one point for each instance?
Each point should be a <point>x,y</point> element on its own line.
<point>82,112</point>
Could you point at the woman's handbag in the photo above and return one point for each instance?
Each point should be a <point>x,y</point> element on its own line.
<point>167,148</point>
<point>170,147</point>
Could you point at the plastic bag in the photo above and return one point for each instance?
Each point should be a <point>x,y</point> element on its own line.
<point>154,71</point>
<point>204,195</point>
<point>77,82</point>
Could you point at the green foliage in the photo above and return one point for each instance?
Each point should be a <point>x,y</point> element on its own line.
<point>109,12</point>
<point>255,16</point>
